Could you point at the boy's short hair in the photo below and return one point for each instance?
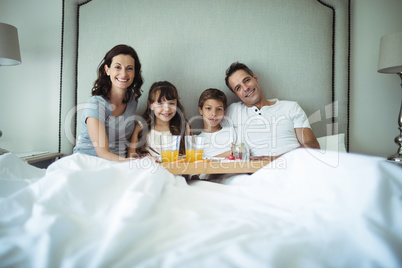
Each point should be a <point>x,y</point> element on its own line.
<point>212,93</point>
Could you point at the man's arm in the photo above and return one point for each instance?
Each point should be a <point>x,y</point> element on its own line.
<point>307,138</point>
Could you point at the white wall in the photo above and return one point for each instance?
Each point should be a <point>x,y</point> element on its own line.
<point>375,97</point>
<point>29,93</point>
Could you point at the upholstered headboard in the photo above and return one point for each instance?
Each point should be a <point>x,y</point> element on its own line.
<point>299,50</point>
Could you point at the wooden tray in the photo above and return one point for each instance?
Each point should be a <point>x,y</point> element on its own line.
<point>214,167</point>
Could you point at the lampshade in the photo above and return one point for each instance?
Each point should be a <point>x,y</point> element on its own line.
<point>9,45</point>
<point>390,58</point>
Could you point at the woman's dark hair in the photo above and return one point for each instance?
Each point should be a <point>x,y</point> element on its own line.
<point>103,84</point>
<point>177,125</point>
<point>212,93</point>
<point>235,67</point>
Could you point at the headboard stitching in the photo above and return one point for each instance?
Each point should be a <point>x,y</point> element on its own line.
<point>348,89</point>
<point>333,65</point>
<point>61,72</point>
<point>76,65</point>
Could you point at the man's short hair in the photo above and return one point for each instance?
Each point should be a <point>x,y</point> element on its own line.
<point>212,93</point>
<point>235,67</point>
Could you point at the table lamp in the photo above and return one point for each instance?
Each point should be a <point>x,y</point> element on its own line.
<point>9,51</point>
<point>390,62</point>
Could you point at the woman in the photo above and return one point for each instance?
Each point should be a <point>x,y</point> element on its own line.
<point>107,122</point>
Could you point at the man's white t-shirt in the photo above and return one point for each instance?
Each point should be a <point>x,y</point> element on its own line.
<point>218,142</point>
<point>269,130</point>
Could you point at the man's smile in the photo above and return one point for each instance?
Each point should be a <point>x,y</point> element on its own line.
<point>250,93</point>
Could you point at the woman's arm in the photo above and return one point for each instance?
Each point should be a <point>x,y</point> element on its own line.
<point>131,152</point>
<point>97,134</point>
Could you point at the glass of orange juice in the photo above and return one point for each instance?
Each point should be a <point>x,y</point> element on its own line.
<point>170,148</point>
<point>194,148</point>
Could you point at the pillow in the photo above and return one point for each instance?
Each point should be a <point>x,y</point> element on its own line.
<point>333,142</point>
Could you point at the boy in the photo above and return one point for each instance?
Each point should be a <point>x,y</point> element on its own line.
<point>217,139</point>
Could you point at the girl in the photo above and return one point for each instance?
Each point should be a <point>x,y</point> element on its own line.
<point>107,122</point>
<point>164,116</point>
<point>217,139</point>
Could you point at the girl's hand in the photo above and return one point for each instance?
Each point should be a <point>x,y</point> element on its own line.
<point>154,158</point>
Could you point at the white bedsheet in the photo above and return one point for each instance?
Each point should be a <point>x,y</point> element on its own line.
<point>341,210</point>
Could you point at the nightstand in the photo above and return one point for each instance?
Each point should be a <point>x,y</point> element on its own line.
<point>41,160</point>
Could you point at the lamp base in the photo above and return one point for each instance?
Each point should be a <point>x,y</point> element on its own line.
<point>395,158</point>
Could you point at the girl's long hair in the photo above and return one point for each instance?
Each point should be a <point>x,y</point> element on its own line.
<point>103,84</point>
<point>177,125</point>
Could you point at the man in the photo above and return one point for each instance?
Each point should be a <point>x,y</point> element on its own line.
<point>269,127</point>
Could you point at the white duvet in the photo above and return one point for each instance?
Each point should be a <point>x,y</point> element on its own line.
<point>306,209</point>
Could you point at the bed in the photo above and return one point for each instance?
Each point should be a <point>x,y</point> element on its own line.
<point>299,212</point>
<point>308,208</point>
